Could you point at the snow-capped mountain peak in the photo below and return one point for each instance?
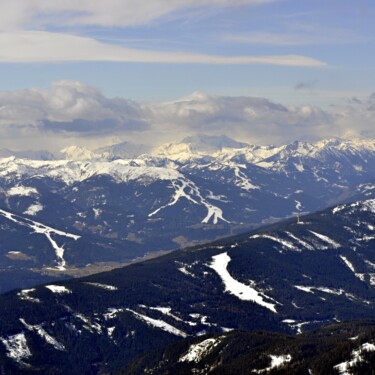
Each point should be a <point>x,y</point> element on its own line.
<point>199,146</point>
<point>78,153</point>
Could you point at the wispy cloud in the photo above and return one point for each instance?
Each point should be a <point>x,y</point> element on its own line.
<point>26,14</point>
<point>42,46</point>
<point>307,36</point>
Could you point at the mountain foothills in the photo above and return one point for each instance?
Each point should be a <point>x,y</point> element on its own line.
<point>293,278</point>
<point>85,210</point>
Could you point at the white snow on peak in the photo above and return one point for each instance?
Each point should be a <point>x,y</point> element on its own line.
<point>58,289</point>
<point>197,147</point>
<point>78,153</point>
<point>197,352</point>
<point>24,191</point>
<point>158,324</point>
<point>355,358</point>
<point>16,347</point>
<point>69,171</point>
<point>244,292</point>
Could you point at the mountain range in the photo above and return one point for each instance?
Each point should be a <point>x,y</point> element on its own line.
<point>87,210</point>
<point>292,277</point>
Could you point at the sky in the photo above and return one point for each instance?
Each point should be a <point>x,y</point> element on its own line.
<point>95,72</point>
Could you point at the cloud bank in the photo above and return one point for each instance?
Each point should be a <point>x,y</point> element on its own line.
<point>70,110</point>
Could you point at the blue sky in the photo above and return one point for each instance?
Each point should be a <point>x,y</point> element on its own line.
<point>293,52</point>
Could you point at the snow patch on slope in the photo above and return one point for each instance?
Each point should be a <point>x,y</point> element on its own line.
<point>34,209</point>
<point>24,191</point>
<point>16,347</point>
<point>244,292</point>
<point>44,335</point>
<point>58,289</point>
<point>276,361</point>
<point>356,358</point>
<point>158,324</point>
<point>197,352</point>
<point>326,239</point>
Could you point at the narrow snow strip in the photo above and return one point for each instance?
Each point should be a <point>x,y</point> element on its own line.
<point>166,311</point>
<point>356,358</point>
<point>347,263</point>
<point>197,352</point>
<point>326,239</point>
<point>337,292</point>
<point>186,272</point>
<point>44,335</point>
<point>289,245</point>
<point>58,289</point>
<point>244,292</point>
<point>16,347</point>
<point>103,286</point>
<point>301,242</point>
<point>307,289</point>
<point>158,324</point>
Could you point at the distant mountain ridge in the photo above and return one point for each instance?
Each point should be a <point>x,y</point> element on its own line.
<point>187,193</point>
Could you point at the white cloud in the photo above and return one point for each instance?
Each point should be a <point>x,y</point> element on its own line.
<point>72,109</point>
<point>41,46</point>
<point>21,14</point>
<point>256,119</point>
<point>66,105</point>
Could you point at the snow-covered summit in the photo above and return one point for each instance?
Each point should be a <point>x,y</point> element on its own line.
<point>69,171</point>
<point>199,146</point>
<point>78,153</point>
